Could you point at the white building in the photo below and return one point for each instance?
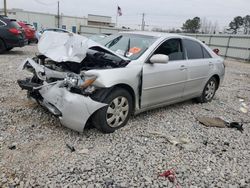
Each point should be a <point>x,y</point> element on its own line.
<point>97,20</point>
<point>46,20</point>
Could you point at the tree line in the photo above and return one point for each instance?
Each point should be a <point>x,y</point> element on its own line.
<point>196,25</point>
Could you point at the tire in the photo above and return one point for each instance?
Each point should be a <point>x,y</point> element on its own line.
<point>8,49</point>
<point>116,114</point>
<point>208,91</point>
<point>2,46</point>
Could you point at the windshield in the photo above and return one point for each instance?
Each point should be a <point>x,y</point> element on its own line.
<point>131,46</point>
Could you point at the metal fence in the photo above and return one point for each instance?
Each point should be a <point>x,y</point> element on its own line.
<point>91,30</point>
<point>232,46</point>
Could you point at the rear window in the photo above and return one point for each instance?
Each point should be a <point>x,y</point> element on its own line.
<point>193,49</point>
<point>14,24</point>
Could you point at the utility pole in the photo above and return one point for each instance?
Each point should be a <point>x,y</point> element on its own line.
<point>143,22</point>
<point>58,14</point>
<point>5,7</point>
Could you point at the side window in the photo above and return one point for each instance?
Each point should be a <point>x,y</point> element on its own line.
<point>172,48</point>
<point>205,53</point>
<point>193,49</point>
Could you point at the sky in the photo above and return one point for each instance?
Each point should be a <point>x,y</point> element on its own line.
<point>166,14</point>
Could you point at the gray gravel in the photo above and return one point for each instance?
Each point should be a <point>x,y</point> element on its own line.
<point>33,151</point>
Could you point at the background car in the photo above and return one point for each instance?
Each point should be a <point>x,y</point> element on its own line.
<point>97,37</point>
<point>32,26</point>
<point>29,32</point>
<point>39,34</point>
<point>11,34</point>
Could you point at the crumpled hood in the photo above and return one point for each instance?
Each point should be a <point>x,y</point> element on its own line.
<point>62,47</point>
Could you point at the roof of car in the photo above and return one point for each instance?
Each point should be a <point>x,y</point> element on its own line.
<point>154,34</point>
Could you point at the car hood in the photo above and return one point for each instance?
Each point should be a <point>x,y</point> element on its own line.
<point>68,47</point>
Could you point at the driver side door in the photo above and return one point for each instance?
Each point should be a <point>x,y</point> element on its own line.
<point>162,83</point>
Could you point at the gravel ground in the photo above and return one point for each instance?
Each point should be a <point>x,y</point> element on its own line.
<point>33,151</point>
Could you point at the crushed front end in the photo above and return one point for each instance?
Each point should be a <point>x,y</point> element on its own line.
<point>61,82</point>
<point>64,94</point>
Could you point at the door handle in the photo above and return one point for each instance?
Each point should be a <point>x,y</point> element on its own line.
<point>183,67</point>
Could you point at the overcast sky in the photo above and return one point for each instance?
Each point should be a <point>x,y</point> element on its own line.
<point>159,13</point>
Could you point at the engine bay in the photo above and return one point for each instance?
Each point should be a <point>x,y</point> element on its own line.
<point>96,58</point>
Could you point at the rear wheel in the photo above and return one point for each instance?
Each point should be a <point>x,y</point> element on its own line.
<point>116,114</point>
<point>8,49</point>
<point>208,91</point>
<point>2,46</point>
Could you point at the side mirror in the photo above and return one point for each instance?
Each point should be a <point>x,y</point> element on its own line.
<point>159,58</point>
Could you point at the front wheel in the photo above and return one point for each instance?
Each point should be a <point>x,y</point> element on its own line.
<point>2,46</point>
<point>208,91</point>
<point>116,114</point>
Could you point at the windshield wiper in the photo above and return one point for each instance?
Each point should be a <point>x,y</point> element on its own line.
<point>128,48</point>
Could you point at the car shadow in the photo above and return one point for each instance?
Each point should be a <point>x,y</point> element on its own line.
<point>14,52</point>
<point>90,127</point>
<point>167,107</point>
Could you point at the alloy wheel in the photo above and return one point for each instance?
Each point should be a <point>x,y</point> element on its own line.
<point>117,111</point>
<point>210,90</point>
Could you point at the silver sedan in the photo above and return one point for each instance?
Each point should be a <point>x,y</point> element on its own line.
<point>81,81</point>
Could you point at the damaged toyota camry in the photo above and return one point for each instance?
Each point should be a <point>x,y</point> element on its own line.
<point>81,81</point>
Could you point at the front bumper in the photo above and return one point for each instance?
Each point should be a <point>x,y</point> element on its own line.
<point>73,110</point>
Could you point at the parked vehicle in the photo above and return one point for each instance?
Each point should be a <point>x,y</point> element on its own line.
<point>29,32</point>
<point>97,37</point>
<point>11,34</point>
<point>32,26</point>
<point>79,80</point>
<point>59,30</point>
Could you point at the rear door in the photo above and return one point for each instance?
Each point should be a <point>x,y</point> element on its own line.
<point>199,63</point>
<point>164,82</point>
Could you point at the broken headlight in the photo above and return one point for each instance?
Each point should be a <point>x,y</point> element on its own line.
<point>80,82</point>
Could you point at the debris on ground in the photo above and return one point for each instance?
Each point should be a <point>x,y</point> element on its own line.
<point>220,123</point>
<point>170,174</point>
<point>236,125</point>
<point>12,146</point>
<point>171,139</point>
<point>72,148</point>
<point>212,122</point>
<point>83,151</point>
<point>244,107</point>
<point>241,100</point>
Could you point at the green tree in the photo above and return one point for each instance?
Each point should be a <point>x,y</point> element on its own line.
<point>236,24</point>
<point>246,24</point>
<point>192,25</point>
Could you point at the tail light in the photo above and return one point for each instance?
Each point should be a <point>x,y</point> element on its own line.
<point>15,31</point>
